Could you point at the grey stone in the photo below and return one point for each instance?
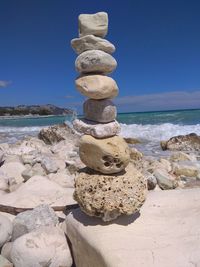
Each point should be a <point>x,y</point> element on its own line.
<point>165,180</point>
<point>6,229</point>
<point>49,165</point>
<point>46,246</point>
<point>91,42</point>
<point>99,110</point>
<point>98,130</point>
<point>96,24</point>
<point>31,220</point>
<point>95,61</point>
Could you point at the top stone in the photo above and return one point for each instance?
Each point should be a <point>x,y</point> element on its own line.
<point>96,24</point>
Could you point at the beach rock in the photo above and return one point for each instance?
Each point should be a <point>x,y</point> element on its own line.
<point>4,181</point>
<point>32,158</point>
<point>95,61</point>
<point>151,181</point>
<point>135,154</point>
<point>38,190</point>
<point>164,179</point>
<point>31,220</point>
<point>46,246</point>
<point>4,262</point>
<point>181,156</point>
<point>1,157</point>
<point>13,158</point>
<point>99,110</point>
<point>109,155</point>
<point>6,250</point>
<point>49,165</point>
<point>96,24</point>
<point>13,171</point>
<point>186,168</point>
<point>91,42</point>
<point>97,86</point>
<point>33,171</point>
<point>166,164</point>
<point>108,196</point>
<point>62,178</point>
<point>189,142</point>
<point>97,130</point>
<point>57,133</point>
<point>6,229</point>
<point>132,141</point>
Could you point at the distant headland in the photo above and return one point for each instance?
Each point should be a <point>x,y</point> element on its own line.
<point>36,110</point>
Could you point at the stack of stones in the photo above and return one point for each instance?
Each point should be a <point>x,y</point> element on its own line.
<point>109,185</point>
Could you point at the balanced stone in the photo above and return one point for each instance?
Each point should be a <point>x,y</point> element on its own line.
<point>96,24</point>
<point>95,61</point>
<point>91,42</point>
<point>99,110</point>
<point>108,196</point>
<point>98,130</point>
<point>97,86</point>
<point>109,155</point>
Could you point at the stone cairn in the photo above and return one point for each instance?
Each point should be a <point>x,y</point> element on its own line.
<point>109,185</point>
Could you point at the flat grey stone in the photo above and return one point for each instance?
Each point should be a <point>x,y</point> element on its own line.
<point>91,42</point>
<point>165,233</point>
<point>96,24</point>
<point>99,110</point>
<point>98,130</point>
<point>95,61</point>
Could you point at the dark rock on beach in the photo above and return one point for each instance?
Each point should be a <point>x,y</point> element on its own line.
<point>189,142</point>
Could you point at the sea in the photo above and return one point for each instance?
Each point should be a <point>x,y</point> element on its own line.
<point>149,127</point>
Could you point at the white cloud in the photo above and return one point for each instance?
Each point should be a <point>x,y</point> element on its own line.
<point>160,101</point>
<point>4,84</point>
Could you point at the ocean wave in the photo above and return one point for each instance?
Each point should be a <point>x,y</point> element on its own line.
<point>155,132</point>
<point>26,129</point>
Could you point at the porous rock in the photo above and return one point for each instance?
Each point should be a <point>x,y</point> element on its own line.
<point>108,196</point>
<point>96,24</point>
<point>189,142</point>
<point>91,42</point>
<point>46,246</point>
<point>99,110</point>
<point>98,130</point>
<point>109,155</point>
<point>6,229</point>
<point>95,61</point>
<point>97,86</point>
<point>31,220</point>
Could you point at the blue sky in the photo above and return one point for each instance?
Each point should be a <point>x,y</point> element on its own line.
<point>157,49</point>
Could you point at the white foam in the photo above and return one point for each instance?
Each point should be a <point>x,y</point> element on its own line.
<point>156,132</point>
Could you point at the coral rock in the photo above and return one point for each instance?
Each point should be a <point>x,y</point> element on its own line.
<point>108,196</point>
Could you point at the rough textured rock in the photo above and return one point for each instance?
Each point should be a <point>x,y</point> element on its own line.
<point>98,130</point>
<point>132,141</point>
<point>189,142</point>
<point>57,133</point>
<point>166,233</point>
<point>4,186</point>
<point>49,165</point>
<point>99,110</point>
<point>95,61</point>
<point>31,220</point>
<point>30,195</point>
<point>91,42</point>
<point>97,86</point>
<point>4,262</point>
<point>33,171</point>
<point>151,182</point>
<point>165,180</point>
<point>63,178</point>
<point>96,24</point>
<point>135,154</point>
<point>108,196</point>
<point>46,246</point>
<point>6,229</point>
<point>109,155</point>
<point>180,156</point>
<point>186,168</point>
